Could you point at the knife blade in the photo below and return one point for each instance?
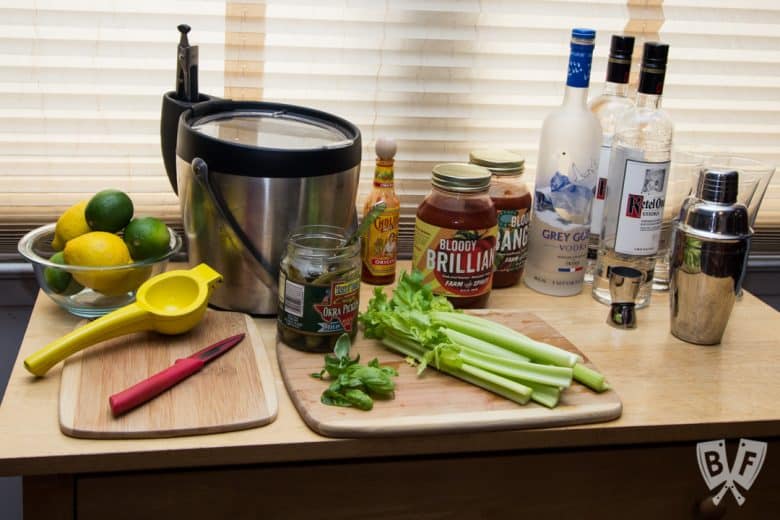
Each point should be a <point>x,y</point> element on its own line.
<point>183,368</point>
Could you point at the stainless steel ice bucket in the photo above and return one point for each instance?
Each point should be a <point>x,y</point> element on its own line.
<point>250,172</point>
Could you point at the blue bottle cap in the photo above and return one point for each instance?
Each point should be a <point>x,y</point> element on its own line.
<point>584,34</point>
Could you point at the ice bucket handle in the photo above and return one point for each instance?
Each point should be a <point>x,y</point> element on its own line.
<point>260,267</point>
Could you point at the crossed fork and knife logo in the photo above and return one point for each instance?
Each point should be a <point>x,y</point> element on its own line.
<point>714,466</point>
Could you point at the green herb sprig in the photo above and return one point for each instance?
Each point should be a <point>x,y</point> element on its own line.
<point>353,384</point>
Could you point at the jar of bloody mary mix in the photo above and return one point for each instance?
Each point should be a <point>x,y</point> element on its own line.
<point>513,210</point>
<point>455,235</point>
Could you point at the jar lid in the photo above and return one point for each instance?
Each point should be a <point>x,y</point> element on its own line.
<point>262,139</point>
<point>461,177</point>
<point>499,162</point>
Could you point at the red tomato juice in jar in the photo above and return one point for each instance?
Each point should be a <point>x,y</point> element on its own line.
<point>455,235</point>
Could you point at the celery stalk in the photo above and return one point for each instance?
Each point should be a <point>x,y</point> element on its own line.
<point>590,378</point>
<point>516,342</point>
<point>498,385</point>
<point>476,344</point>
<point>534,372</point>
<point>495,383</point>
<point>545,395</point>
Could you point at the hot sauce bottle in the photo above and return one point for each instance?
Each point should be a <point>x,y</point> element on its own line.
<point>513,210</point>
<point>379,243</point>
<point>455,235</point>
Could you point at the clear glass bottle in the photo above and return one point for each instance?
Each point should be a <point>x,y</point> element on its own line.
<point>319,288</point>
<point>455,235</point>
<point>513,211</point>
<point>638,177</point>
<point>379,248</point>
<point>608,107</point>
<point>566,174</point>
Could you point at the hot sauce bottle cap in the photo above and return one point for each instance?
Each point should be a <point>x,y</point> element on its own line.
<point>385,148</point>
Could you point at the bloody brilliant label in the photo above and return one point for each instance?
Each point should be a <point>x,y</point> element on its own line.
<point>456,262</point>
<point>324,309</point>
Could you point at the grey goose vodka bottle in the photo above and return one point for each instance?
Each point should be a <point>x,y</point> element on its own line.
<point>566,174</point>
<point>638,177</point>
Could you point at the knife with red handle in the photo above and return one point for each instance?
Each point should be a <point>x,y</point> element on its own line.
<point>150,388</point>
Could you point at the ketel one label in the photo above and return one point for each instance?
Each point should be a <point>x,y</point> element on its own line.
<point>641,208</point>
<point>456,262</point>
<point>324,309</point>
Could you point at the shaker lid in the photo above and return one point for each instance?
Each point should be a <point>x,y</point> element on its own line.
<point>718,186</point>
<point>498,161</point>
<point>461,177</point>
<point>713,212</point>
<point>262,139</point>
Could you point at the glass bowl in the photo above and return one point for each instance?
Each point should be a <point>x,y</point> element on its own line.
<point>69,285</point>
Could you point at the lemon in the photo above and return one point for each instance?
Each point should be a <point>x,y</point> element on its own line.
<point>72,223</point>
<point>59,281</point>
<point>147,238</point>
<point>99,249</point>
<point>109,210</point>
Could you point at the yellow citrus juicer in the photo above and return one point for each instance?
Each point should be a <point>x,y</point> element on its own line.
<point>169,303</point>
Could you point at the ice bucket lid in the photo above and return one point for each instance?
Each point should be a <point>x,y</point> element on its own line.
<point>261,139</point>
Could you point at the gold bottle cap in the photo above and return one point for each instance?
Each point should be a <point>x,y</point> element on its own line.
<point>461,177</point>
<point>498,161</point>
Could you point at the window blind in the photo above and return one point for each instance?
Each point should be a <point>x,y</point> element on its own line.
<point>81,84</point>
<point>80,93</point>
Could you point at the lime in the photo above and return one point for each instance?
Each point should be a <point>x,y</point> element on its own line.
<point>71,224</point>
<point>59,281</point>
<point>109,210</point>
<point>99,249</point>
<point>146,238</point>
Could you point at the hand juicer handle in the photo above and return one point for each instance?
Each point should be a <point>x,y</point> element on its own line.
<point>260,267</point>
<point>127,319</point>
<point>150,388</point>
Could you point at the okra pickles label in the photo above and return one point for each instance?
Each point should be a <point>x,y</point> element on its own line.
<point>324,309</point>
<point>380,242</point>
<point>641,207</point>
<point>512,247</point>
<point>455,262</point>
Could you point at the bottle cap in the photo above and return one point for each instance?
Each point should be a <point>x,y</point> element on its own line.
<point>580,33</point>
<point>718,186</point>
<point>621,48</point>
<point>655,55</point>
<point>461,177</point>
<point>385,148</point>
<point>498,161</point>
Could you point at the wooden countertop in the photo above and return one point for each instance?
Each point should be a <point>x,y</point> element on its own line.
<point>671,391</point>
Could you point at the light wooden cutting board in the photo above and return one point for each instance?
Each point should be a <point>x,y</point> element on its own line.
<point>233,392</point>
<point>436,402</point>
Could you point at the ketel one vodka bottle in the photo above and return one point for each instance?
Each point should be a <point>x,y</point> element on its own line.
<point>608,107</point>
<point>565,178</point>
<point>636,187</point>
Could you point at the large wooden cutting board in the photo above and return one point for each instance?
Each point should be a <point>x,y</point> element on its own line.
<point>233,392</point>
<point>436,402</point>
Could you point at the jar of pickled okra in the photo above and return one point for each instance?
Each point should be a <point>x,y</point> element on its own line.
<point>319,288</point>
<point>455,235</point>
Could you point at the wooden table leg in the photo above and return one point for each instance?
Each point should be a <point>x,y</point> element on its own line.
<point>49,497</point>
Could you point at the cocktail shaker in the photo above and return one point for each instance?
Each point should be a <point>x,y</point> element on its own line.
<point>709,257</point>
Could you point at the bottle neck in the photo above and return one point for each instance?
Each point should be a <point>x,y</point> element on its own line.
<point>383,174</point>
<point>616,89</point>
<point>650,101</point>
<point>575,96</point>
